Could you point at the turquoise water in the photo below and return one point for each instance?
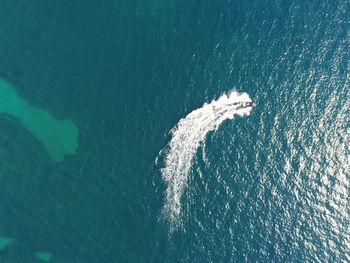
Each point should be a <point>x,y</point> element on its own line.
<point>272,186</point>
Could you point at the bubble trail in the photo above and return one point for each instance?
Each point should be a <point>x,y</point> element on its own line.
<point>187,135</point>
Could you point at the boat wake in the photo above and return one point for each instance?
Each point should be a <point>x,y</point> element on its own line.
<point>187,136</point>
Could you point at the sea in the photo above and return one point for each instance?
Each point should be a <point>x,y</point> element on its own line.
<point>125,135</point>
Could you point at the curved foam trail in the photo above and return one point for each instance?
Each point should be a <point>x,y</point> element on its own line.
<point>187,136</point>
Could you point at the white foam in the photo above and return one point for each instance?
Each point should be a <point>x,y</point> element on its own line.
<point>187,136</point>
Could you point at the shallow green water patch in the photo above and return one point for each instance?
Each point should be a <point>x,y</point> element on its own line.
<point>5,241</point>
<point>44,256</point>
<point>59,137</point>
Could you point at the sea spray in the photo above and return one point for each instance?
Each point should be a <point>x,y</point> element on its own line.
<point>188,134</point>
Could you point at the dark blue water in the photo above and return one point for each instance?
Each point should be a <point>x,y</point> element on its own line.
<point>269,187</point>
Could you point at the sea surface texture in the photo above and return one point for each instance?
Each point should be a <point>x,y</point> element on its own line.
<point>121,139</point>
